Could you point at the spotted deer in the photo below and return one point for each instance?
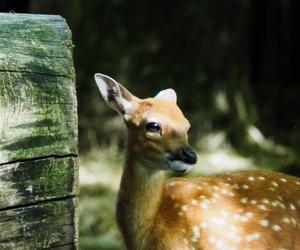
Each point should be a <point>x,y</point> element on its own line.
<point>248,210</point>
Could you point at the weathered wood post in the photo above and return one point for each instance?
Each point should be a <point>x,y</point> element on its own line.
<point>38,134</point>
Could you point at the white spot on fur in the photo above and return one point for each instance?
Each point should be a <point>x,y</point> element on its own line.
<point>194,202</point>
<point>184,208</point>
<point>266,201</point>
<point>218,221</point>
<point>294,221</point>
<point>282,205</point>
<point>224,213</point>
<point>244,200</point>
<point>283,179</point>
<point>203,205</point>
<point>244,218</point>
<point>245,186</point>
<point>249,214</point>
<point>196,231</point>
<point>264,222</point>
<point>276,228</point>
<point>262,207</point>
<point>224,191</point>
<point>251,237</point>
<point>203,225</point>
<point>292,207</point>
<point>216,195</point>
<point>262,178</point>
<point>251,178</point>
<point>279,197</point>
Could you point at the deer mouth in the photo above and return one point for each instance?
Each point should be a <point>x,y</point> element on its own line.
<point>178,166</point>
<point>182,160</point>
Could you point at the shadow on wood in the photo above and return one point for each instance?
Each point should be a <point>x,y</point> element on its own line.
<point>38,134</point>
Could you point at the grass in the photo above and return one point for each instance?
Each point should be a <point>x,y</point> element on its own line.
<point>100,172</point>
<point>97,223</point>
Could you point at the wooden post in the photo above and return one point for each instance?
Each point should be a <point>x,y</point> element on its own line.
<point>38,134</point>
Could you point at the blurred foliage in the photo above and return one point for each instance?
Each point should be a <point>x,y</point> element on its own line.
<point>218,55</point>
<point>97,223</point>
<point>194,47</point>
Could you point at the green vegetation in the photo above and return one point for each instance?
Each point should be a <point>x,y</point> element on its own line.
<point>99,177</point>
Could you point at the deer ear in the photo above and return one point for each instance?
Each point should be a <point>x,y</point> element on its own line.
<point>115,95</point>
<point>167,95</point>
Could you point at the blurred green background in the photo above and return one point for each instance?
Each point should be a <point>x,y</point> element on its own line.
<point>234,65</point>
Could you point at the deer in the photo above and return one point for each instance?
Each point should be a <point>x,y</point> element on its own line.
<point>241,210</point>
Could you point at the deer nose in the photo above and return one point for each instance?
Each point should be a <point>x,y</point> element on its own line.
<point>187,155</point>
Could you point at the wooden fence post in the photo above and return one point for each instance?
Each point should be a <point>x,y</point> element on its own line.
<point>38,134</point>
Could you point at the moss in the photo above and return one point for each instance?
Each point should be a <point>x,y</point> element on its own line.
<point>39,226</point>
<point>38,109</point>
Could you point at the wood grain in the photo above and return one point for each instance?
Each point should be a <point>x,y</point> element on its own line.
<point>44,225</point>
<point>32,181</point>
<point>38,116</point>
<point>40,44</point>
<point>38,134</point>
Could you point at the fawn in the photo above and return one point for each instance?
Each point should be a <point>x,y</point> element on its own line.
<point>232,211</point>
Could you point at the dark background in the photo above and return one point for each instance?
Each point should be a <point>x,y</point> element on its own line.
<point>234,65</point>
<point>246,51</point>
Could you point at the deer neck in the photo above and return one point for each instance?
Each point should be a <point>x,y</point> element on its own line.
<point>138,201</point>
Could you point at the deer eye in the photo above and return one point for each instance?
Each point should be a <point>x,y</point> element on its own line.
<point>153,127</point>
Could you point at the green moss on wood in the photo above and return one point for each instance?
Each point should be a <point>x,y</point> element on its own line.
<point>31,130</point>
<point>38,119</point>
<point>28,28</point>
<point>32,181</point>
<point>38,116</point>
<point>44,225</point>
<point>36,44</point>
